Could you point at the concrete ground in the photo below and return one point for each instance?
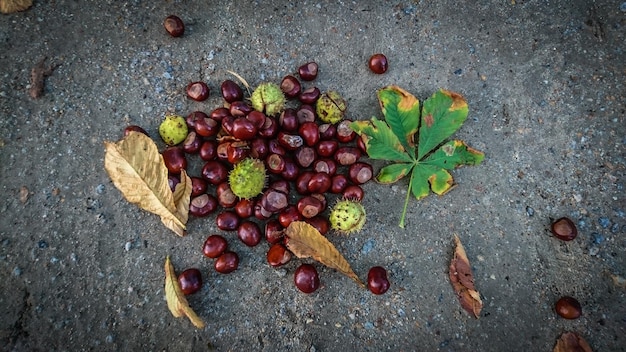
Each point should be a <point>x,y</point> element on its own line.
<point>82,269</point>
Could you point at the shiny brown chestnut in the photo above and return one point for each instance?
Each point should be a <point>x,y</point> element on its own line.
<point>360,172</point>
<point>243,129</point>
<point>208,150</point>
<point>310,95</point>
<point>207,127</point>
<point>190,281</point>
<point>339,183</point>
<point>302,182</point>
<point>305,156</point>
<point>198,91</point>
<point>273,231</point>
<point>215,172</point>
<point>327,131</point>
<point>214,246</point>
<point>226,263</point>
<point>257,118</point>
<point>237,151</point>
<point>198,186</point>
<point>291,170</point>
<point>327,149</point>
<point>347,155</point>
<point>320,182</point>
<point>193,117</point>
<point>345,134</point>
<point>202,205</point>
<point>378,64</point>
<point>231,91</point>
<point>174,159</point>
<point>328,166</point>
<point>309,206</point>
<point>218,114</point>
<point>288,120</point>
<point>192,144</point>
<point>225,195</point>
<point>377,281</point>
<point>249,233</point>
<point>289,215</point>
<point>134,128</point>
<point>244,208</point>
<point>305,113</point>
<point>290,86</point>
<point>310,133</point>
<point>174,26</point>
<point>320,223</point>
<point>308,71</point>
<point>227,220</point>
<point>564,229</point>
<point>568,308</point>
<point>240,108</point>
<point>353,192</point>
<point>259,148</point>
<point>278,255</point>
<point>306,278</point>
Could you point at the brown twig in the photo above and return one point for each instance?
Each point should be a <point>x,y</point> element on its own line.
<point>38,75</point>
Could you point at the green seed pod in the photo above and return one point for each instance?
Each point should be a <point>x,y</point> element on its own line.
<point>247,178</point>
<point>347,216</point>
<point>268,98</point>
<point>330,107</point>
<point>173,129</point>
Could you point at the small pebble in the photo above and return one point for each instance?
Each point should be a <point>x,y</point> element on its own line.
<point>593,251</point>
<point>530,211</point>
<point>604,222</point>
<point>368,246</point>
<point>16,271</point>
<point>368,325</point>
<point>42,244</point>
<point>597,238</point>
<point>622,7</point>
<point>458,72</point>
<point>128,246</point>
<point>100,188</point>
<point>615,228</point>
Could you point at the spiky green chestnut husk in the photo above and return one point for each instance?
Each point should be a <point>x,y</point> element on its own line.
<point>268,98</point>
<point>330,107</point>
<point>173,129</point>
<point>347,216</point>
<point>247,178</point>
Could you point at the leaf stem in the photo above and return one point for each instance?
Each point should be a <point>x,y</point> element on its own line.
<point>406,201</point>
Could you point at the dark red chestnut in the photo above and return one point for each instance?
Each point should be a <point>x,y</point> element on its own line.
<point>134,128</point>
<point>310,95</point>
<point>174,26</point>
<point>192,143</point>
<point>237,151</point>
<point>288,120</point>
<point>302,182</point>
<point>273,231</point>
<point>214,246</point>
<point>360,172</point>
<point>278,255</point>
<point>305,113</point>
<point>240,108</point>
<point>325,165</point>
<point>564,229</point>
<point>190,281</point>
<point>227,220</point>
<point>198,186</point>
<point>306,278</point>
<point>208,150</point>
<point>378,64</point>
<point>290,86</point>
<point>345,134</point>
<point>219,113</point>
<point>289,215</point>
<point>353,192</point>
<point>198,91</point>
<point>202,205</point>
<point>225,195</point>
<point>173,181</point>
<point>377,280</point>
<point>227,262</point>
<point>175,160</point>
<point>327,149</point>
<point>308,71</point>
<point>244,208</point>
<point>568,308</point>
<point>347,155</point>
<point>339,183</point>
<point>259,148</point>
<point>249,233</point>
<point>231,91</point>
<point>215,172</point>
<point>305,156</point>
<point>309,206</point>
<point>320,182</point>
<point>327,131</point>
<point>310,133</point>
<point>291,170</point>
<point>320,223</point>
<point>289,141</point>
<point>257,118</point>
<point>243,129</point>
<point>207,127</point>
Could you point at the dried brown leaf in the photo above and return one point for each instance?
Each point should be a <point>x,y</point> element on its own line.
<point>11,6</point>
<point>176,301</point>
<point>24,193</point>
<point>136,167</point>
<point>571,342</point>
<point>463,281</point>
<point>306,242</point>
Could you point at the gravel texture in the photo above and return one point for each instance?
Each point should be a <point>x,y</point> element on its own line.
<point>82,269</point>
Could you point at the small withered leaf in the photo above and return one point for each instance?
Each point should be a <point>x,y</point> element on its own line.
<point>176,301</point>
<point>463,281</point>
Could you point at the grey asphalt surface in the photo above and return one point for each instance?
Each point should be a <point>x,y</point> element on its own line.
<point>82,269</point>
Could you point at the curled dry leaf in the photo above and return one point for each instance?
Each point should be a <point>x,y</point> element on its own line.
<point>571,342</point>
<point>463,281</point>
<point>11,6</point>
<point>136,167</point>
<point>176,301</point>
<point>306,242</point>
<point>24,193</point>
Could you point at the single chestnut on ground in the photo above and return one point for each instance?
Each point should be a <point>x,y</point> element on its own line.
<point>378,64</point>
<point>198,91</point>
<point>190,281</point>
<point>174,26</point>
<point>377,280</point>
<point>306,278</point>
<point>568,307</point>
<point>227,262</point>
<point>564,229</point>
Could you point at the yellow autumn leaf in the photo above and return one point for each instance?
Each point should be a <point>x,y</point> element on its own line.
<point>136,168</point>
<point>176,301</point>
<point>463,281</point>
<point>11,6</point>
<point>305,241</point>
